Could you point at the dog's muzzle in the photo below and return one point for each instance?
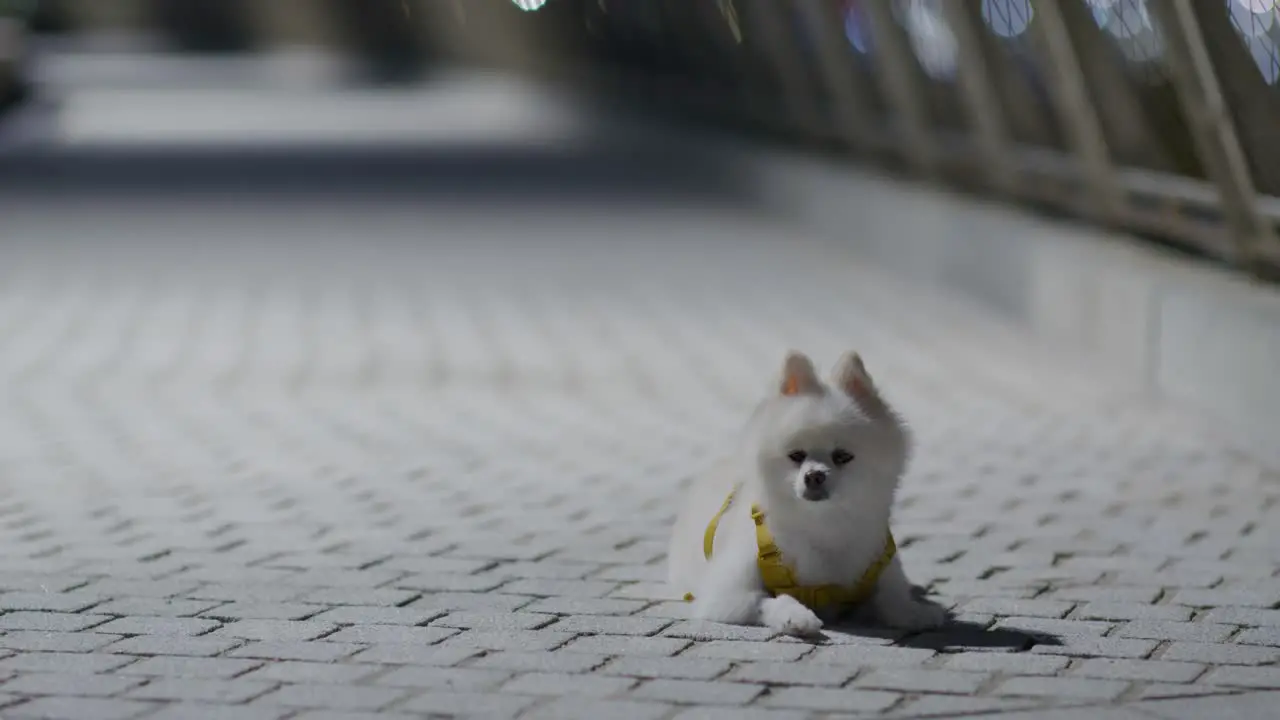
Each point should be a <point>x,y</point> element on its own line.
<point>815,485</point>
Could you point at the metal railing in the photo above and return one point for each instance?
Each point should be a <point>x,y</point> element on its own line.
<point>1158,116</point>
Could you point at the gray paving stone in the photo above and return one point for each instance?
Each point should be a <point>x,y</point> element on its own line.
<point>542,587</point>
<point>1221,653</point>
<point>738,713</point>
<point>159,626</point>
<point>277,630</point>
<point>1156,691</point>
<point>208,711</point>
<point>388,634</point>
<point>65,663</point>
<point>50,621</point>
<point>487,705</point>
<point>569,684</point>
<point>575,708</point>
<point>1019,664</point>
<point>360,597</point>
<point>52,580</point>
<point>913,680</point>
<point>1247,616</point>
<point>319,651</point>
<point>402,654</point>
<point>496,621</point>
<point>1106,595</point>
<point>1090,646</point>
<point>36,641</point>
<point>67,602</point>
<point>783,673</point>
<point>1260,636</point>
<point>1018,607</point>
<point>702,630</point>
<point>334,697</point>
<point>1062,687</point>
<point>522,640</point>
<point>263,611</point>
<point>473,602</point>
<point>119,587</point>
<point>378,616</point>
<point>67,684</point>
<point>202,690</point>
<point>682,667</point>
<point>1191,631</point>
<point>311,672</point>
<point>1251,705</point>
<point>953,706</point>
<point>175,645</point>
<point>468,679</point>
<point>156,607</point>
<point>1206,597</point>
<point>670,610</point>
<point>1251,677</point>
<point>1132,611</point>
<point>1147,670</point>
<point>584,606</point>
<point>1094,712</point>
<point>742,650</point>
<point>211,668</point>
<point>697,692</point>
<point>831,700</point>
<point>626,645</point>
<point>69,708</point>
<point>871,656</point>
<point>244,593</point>
<point>557,661</point>
<point>608,625</point>
<point>1054,627</point>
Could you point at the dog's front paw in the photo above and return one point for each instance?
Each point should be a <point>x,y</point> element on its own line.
<point>787,615</point>
<point>912,614</point>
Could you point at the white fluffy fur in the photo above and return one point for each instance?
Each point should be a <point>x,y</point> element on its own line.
<point>825,541</point>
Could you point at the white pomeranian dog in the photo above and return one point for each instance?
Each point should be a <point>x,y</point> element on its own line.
<point>793,529</point>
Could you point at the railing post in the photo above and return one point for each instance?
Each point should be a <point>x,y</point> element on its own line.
<point>982,103</point>
<point>783,55</point>
<point>900,81</point>
<point>853,122</point>
<point>1212,128</point>
<point>1075,110</point>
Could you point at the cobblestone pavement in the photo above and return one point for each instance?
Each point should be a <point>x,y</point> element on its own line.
<point>332,461</point>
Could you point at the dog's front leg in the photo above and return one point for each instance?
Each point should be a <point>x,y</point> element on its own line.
<point>897,606</point>
<point>732,593</point>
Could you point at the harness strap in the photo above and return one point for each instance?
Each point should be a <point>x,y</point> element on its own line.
<point>779,578</point>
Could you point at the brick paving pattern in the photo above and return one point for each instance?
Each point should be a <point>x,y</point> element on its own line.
<point>300,460</point>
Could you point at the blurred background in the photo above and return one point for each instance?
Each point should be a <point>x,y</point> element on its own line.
<point>1158,117</point>
<point>1153,123</point>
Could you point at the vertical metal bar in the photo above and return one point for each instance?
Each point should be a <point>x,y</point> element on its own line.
<point>1076,112</point>
<point>982,103</point>
<point>852,123</point>
<point>1212,128</point>
<point>901,83</point>
<point>774,27</point>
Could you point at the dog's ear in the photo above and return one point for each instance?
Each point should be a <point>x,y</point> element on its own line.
<point>852,377</point>
<point>798,376</point>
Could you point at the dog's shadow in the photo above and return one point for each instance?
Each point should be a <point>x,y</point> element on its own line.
<point>955,636</point>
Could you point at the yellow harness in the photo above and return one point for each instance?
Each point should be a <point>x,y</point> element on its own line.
<point>778,577</point>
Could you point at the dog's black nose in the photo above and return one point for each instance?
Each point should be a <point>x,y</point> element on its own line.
<point>814,478</point>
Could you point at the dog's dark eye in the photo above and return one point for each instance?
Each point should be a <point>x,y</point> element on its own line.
<point>841,457</point>
<point>798,456</point>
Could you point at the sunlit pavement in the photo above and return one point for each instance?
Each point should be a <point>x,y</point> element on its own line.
<point>334,456</point>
